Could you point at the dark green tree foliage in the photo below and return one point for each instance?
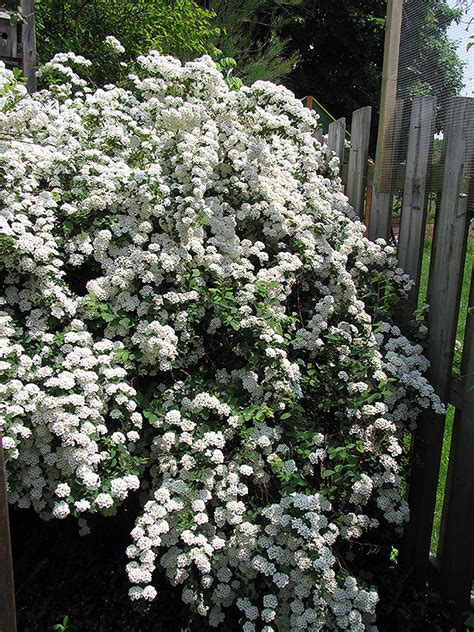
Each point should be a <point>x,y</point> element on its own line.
<point>250,32</point>
<point>177,27</point>
<point>341,52</point>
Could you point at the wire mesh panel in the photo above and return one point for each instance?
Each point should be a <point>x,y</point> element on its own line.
<point>427,173</point>
<point>425,55</point>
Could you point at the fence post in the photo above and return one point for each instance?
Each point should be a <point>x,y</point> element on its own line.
<point>415,196</point>
<point>457,523</point>
<point>336,137</point>
<point>358,157</point>
<point>7,592</point>
<point>444,287</point>
<point>28,39</point>
<point>382,198</point>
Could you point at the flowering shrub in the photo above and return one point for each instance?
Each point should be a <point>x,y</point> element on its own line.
<point>191,310</point>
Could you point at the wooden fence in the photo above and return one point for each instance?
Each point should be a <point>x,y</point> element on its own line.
<point>450,568</point>
<point>357,172</point>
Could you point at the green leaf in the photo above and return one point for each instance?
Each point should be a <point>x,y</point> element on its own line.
<point>150,416</point>
<point>122,355</point>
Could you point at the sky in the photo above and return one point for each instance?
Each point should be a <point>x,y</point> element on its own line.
<point>459,33</point>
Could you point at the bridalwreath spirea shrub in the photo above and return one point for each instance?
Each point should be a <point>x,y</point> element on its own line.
<point>192,314</point>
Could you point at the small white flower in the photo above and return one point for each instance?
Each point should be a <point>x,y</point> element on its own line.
<point>114,44</point>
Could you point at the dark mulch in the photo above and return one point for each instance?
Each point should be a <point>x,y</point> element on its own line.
<point>58,573</point>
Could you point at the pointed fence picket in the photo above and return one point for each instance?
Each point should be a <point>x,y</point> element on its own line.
<point>358,157</point>
<point>415,195</point>
<point>381,216</point>
<point>456,542</point>
<point>336,138</point>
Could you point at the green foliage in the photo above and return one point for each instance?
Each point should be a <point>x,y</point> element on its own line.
<point>332,50</point>
<point>8,89</point>
<point>7,243</point>
<point>118,457</point>
<point>341,49</point>
<point>177,27</point>
<point>63,626</point>
<point>227,66</point>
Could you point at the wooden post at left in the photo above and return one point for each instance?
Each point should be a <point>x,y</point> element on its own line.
<point>28,42</point>
<point>7,590</point>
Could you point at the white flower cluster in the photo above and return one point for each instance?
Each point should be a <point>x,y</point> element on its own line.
<point>183,311</point>
<point>114,44</point>
<point>60,402</point>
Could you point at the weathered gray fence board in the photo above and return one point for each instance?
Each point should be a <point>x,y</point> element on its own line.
<point>447,264</point>
<point>336,137</point>
<point>456,392</point>
<point>381,215</point>
<point>415,194</point>
<point>318,134</point>
<point>358,157</point>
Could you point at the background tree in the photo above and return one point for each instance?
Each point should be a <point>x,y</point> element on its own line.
<point>250,32</point>
<point>177,27</point>
<point>341,53</point>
